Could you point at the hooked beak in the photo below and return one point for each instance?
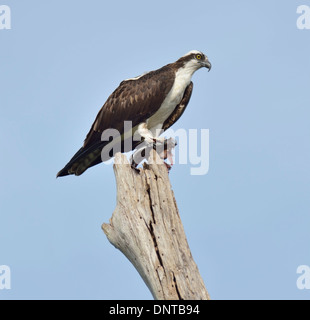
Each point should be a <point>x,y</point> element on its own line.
<point>207,64</point>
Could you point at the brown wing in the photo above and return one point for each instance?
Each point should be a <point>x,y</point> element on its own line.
<point>133,100</point>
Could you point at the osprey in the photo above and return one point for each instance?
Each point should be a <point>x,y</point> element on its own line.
<point>153,102</point>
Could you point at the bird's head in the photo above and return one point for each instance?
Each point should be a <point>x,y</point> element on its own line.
<point>195,60</point>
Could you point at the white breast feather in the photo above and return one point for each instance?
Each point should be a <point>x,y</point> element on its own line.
<point>182,80</point>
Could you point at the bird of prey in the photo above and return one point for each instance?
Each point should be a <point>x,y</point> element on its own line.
<point>153,102</point>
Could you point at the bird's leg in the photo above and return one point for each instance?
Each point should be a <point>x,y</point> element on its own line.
<point>162,146</point>
<point>163,149</point>
<point>147,135</point>
<point>142,152</point>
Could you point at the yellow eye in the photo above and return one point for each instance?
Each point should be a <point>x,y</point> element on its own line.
<point>198,56</point>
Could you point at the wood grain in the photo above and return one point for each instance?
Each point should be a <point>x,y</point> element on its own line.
<point>146,227</point>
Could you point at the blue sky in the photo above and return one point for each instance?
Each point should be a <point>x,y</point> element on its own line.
<point>247,220</point>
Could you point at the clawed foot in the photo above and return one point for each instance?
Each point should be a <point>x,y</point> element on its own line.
<point>168,166</point>
<point>162,146</point>
<point>134,166</point>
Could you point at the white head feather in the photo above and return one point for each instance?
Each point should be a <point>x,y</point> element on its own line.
<point>193,52</point>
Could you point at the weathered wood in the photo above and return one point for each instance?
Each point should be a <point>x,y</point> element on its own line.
<point>147,228</point>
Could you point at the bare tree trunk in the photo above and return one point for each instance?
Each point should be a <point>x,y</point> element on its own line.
<point>147,228</point>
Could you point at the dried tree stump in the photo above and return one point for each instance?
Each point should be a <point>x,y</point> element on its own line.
<point>147,229</point>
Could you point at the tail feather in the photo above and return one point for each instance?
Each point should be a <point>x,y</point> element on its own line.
<point>81,161</point>
<point>87,157</point>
